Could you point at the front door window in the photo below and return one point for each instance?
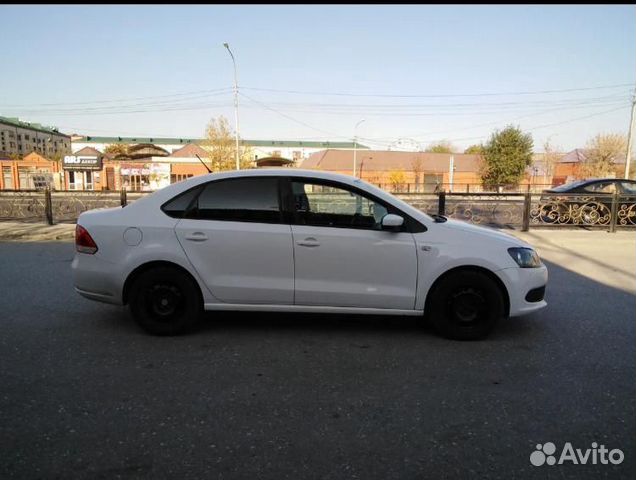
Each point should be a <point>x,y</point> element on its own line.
<point>330,206</point>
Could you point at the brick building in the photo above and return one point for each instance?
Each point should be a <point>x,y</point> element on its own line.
<point>401,170</point>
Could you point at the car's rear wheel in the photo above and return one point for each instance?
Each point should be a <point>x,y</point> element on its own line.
<point>165,301</point>
<point>465,305</point>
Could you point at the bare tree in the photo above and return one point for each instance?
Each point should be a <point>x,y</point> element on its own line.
<point>602,153</point>
<point>417,167</point>
<point>221,147</point>
<point>550,158</point>
<point>117,149</point>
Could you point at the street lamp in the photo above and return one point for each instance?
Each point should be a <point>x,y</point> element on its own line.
<point>236,115</point>
<point>355,145</point>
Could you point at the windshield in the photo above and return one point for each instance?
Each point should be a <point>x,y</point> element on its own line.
<point>568,186</point>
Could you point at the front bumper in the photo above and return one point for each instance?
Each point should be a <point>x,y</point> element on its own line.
<point>519,283</point>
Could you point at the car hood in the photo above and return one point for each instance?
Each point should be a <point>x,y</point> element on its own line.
<point>483,232</point>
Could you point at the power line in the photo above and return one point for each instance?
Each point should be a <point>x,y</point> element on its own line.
<point>535,92</point>
<point>378,141</point>
<point>124,108</point>
<point>119,100</point>
<point>328,108</point>
<point>531,129</point>
<point>119,133</point>
<point>158,136</point>
<point>288,117</point>
<point>488,124</point>
<point>579,100</point>
<point>179,106</point>
<point>437,113</point>
<point>170,108</point>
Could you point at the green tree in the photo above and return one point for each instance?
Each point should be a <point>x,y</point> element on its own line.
<point>443,146</point>
<point>506,156</point>
<point>602,153</point>
<point>475,149</point>
<point>220,144</point>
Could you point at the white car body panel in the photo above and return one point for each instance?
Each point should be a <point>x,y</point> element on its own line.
<point>241,262</point>
<point>254,266</point>
<point>354,268</point>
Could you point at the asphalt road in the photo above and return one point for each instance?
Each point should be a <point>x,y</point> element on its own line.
<point>85,394</point>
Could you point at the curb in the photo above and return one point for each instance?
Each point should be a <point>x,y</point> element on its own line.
<point>33,232</point>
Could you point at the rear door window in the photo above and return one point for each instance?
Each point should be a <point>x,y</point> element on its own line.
<point>239,200</point>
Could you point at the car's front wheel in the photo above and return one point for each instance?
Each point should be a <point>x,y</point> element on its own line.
<point>165,301</point>
<point>465,305</point>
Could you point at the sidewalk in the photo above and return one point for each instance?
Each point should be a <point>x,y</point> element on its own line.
<point>36,232</point>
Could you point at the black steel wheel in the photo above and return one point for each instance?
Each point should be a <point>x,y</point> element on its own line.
<point>465,305</point>
<point>165,301</point>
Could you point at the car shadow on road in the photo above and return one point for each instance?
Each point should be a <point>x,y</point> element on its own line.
<point>565,293</point>
<point>564,288</point>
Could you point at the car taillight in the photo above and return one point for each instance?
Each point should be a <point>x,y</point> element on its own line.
<point>84,243</point>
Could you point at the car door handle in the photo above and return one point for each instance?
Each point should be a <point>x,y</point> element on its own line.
<point>196,237</point>
<point>308,242</point>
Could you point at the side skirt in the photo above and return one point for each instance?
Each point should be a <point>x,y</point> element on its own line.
<point>308,309</point>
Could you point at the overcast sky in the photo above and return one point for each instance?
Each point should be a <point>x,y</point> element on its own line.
<point>416,74</point>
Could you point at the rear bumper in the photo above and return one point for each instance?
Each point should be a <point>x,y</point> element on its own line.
<point>97,296</point>
<point>519,283</point>
<point>97,279</point>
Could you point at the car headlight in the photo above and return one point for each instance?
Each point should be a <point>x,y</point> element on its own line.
<point>525,257</point>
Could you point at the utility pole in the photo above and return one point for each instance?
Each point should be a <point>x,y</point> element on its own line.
<point>630,135</point>
<point>451,172</point>
<point>236,104</point>
<point>355,145</point>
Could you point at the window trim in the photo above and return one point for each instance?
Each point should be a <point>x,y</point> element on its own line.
<point>411,225</point>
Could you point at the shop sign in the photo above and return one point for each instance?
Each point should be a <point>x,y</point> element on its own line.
<point>81,162</point>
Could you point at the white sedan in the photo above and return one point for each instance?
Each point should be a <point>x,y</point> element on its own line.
<point>291,240</point>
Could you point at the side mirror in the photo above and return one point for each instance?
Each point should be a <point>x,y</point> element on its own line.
<point>392,222</point>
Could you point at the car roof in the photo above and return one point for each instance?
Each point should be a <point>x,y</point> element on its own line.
<point>171,190</point>
<point>161,196</point>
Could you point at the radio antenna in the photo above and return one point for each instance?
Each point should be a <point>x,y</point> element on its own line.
<point>206,167</point>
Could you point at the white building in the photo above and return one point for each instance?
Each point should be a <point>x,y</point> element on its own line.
<point>288,149</point>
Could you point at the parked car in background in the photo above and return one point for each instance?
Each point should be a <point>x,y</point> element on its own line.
<point>587,202</point>
<point>300,241</point>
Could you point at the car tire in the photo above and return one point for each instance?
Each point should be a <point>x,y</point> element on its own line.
<point>165,301</point>
<point>465,305</point>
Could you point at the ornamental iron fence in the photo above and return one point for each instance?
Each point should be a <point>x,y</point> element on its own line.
<point>520,211</point>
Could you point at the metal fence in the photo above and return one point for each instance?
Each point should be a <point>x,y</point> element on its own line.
<point>527,210</point>
<point>22,205</point>
<point>57,206</point>
<point>501,210</point>
<point>462,188</point>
